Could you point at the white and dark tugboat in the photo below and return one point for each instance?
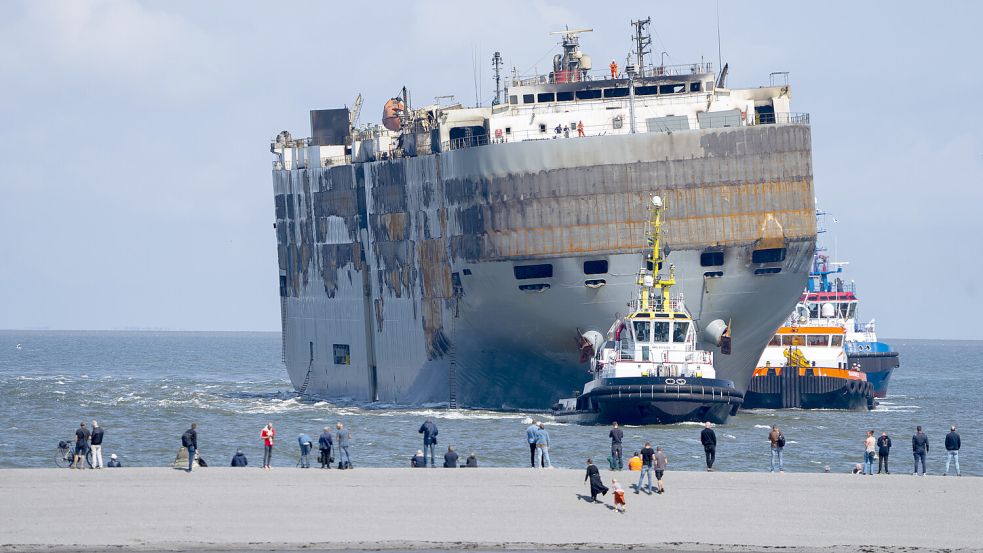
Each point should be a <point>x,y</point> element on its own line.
<point>648,370</point>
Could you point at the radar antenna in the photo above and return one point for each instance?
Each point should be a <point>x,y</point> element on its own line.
<point>643,42</point>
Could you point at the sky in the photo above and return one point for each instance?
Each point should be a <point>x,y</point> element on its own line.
<point>135,189</point>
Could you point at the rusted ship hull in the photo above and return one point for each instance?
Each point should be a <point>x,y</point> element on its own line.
<point>398,278</point>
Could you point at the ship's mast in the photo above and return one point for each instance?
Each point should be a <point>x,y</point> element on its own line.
<point>655,281</point>
<point>497,64</point>
<point>643,42</point>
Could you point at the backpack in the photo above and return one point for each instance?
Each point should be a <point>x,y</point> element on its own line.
<point>781,440</point>
<point>186,439</point>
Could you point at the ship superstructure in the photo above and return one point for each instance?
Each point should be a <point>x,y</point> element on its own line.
<point>451,254</point>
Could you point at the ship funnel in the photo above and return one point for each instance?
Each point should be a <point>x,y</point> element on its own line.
<point>714,331</point>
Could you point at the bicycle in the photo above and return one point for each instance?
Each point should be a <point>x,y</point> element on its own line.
<point>65,455</point>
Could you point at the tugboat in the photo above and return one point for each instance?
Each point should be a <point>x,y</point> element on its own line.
<point>834,301</point>
<point>805,366</point>
<point>648,369</point>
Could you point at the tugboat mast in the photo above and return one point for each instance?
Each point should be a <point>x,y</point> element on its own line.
<point>650,282</point>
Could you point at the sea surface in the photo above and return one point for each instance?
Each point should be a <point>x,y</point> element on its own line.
<point>145,389</point>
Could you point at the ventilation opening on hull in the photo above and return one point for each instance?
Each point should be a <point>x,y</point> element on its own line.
<point>524,272</point>
<point>769,255</point>
<point>595,283</point>
<point>711,259</point>
<point>713,274</point>
<point>534,287</point>
<point>768,271</point>
<point>596,267</point>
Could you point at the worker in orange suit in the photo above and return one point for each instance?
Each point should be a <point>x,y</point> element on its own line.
<point>580,128</point>
<point>614,69</point>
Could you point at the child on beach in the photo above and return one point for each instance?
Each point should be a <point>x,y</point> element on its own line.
<point>619,496</point>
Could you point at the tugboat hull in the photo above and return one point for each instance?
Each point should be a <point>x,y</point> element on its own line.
<point>644,402</point>
<point>808,392</point>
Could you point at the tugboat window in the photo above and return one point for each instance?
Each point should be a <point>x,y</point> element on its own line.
<point>679,331</point>
<point>837,341</point>
<point>615,92</point>
<point>523,272</point>
<point>528,99</point>
<point>793,340</point>
<point>643,331</point>
<point>513,100</point>
<point>814,310</point>
<point>818,340</point>
<point>660,331</point>
<point>342,354</point>
<point>776,340</point>
<point>592,94</point>
<point>852,311</point>
<point>596,267</point>
<point>564,96</point>
<point>545,97</point>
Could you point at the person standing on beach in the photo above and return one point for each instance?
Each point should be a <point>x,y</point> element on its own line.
<point>82,436</point>
<point>96,443</point>
<point>324,443</point>
<point>190,442</point>
<point>543,447</point>
<point>594,478</point>
<point>267,435</point>
<point>429,431</point>
<point>919,447</point>
<point>344,440</point>
<point>883,451</point>
<point>777,440</point>
<point>870,445</point>
<point>952,445</point>
<point>616,435</point>
<point>531,431</point>
<point>648,454</point>
<point>709,440</point>
<point>661,461</point>
<point>450,458</point>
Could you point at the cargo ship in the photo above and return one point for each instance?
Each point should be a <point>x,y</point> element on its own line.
<point>647,370</point>
<point>451,254</point>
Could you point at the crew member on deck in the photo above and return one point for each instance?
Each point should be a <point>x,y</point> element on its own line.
<point>614,69</point>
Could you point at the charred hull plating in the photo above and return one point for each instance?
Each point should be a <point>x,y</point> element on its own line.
<point>641,402</point>
<point>398,278</point>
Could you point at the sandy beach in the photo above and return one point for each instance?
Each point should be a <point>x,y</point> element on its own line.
<point>289,509</point>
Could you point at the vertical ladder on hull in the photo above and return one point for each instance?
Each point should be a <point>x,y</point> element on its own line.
<point>307,379</point>
<point>283,330</point>
<point>452,369</point>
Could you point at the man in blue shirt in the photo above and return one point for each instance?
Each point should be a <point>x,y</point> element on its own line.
<point>305,450</point>
<point>324,443</point>
<point>531,431</point>
<point>429,431</point>
<point>543,447</point>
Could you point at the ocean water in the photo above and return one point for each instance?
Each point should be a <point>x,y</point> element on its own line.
<point>145,388</point>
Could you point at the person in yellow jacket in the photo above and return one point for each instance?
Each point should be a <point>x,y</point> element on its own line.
<point>635,463</point>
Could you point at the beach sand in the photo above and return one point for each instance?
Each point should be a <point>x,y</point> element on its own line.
<point>481,509</point>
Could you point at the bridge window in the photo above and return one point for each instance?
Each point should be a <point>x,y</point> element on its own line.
<point>564,96</point>
<point>647,90</point>
<point>595,267</point>
<point>523,272</point>
<point>768,255</point>
<point>793,340</point>
<point>660,331</point>
<point>711,259</point>
<point>589,94</point>
<point>837,341</point>
<point>694,87</point>
<point>615,92</point>
<point>513,100</point>
<point>342,354</point>
<point>528,98</point>
<point>545,97</point>
<point>817,340</point>
<point>776,340</point>
<point>643,331</point>
<point>679,331</point>
<point>672,88</point>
